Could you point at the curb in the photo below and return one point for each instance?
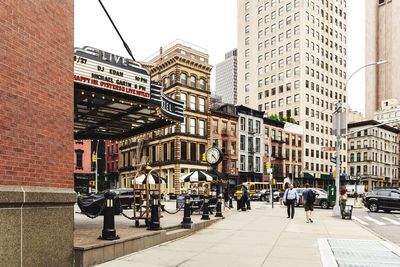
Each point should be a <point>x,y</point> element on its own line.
<point>91,255</point>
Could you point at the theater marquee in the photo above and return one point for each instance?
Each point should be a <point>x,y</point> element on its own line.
<point>104,70</point>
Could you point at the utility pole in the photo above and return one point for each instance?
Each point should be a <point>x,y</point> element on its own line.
<point>336,210</point>
<point>269,170</point>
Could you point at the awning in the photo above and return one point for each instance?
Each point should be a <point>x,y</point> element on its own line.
<point>114,97</point>
<point>308,176</point>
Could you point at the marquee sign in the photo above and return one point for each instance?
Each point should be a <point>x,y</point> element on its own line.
<point>104,70</point>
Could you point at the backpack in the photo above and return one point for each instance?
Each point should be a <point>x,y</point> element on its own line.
<point>311,196</point>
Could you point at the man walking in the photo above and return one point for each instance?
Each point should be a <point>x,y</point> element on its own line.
<point>308,198</point>
<point>290,198</point>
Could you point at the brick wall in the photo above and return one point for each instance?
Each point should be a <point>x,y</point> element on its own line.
<point>36,93</point>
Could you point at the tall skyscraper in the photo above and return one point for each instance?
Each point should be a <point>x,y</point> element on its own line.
<point>382,38</point>
<point>292,63</point>
<point>226,78</point>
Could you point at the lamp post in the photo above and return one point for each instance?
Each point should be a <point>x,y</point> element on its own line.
<point>336,210</point>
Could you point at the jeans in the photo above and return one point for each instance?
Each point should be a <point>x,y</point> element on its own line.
<point>290,207</point>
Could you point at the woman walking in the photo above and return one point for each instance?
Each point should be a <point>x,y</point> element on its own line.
<point>290,198</point>
<point>342,200</point>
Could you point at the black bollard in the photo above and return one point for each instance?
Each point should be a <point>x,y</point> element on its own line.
<point>230,203</point>
<point>187,221</point>
<point>154,223</point>
<point>243,204</point>
<point>205,215</point>
<point>109,232</point>
<point>218,213</point>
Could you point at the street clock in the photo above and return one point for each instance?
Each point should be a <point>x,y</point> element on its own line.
<point>214,156</point>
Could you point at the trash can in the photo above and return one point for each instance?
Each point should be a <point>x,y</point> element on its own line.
<point>348,211</point>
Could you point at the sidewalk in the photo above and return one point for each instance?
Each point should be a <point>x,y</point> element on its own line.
<point>260,237</point>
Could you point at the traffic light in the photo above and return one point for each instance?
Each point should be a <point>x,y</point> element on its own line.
<point>333,160</point>
<point>203,156</point>
<point>94,158</point>
<point>92,183</point>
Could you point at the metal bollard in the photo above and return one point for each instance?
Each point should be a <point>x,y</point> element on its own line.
<point>230,203</point>
<point>109,232</point>
<point>205,215</point>
<point>154,223</point>
<point>187,221</point>
<point>219,207</point>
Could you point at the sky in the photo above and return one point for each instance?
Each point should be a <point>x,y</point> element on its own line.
<point>146,25</point>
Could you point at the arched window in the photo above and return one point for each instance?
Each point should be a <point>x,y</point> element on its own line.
<point>183,78</point>
<point>193,81</point>
<point>202,84</point>
<point>172,79</point>
<point>166,82</point>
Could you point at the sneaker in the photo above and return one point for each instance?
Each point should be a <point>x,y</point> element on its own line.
<point>311,221</point>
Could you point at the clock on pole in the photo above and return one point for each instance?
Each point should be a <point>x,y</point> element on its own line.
<point>213,156</point>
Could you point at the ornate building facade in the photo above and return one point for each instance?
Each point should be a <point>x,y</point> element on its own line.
<point>184,72</point>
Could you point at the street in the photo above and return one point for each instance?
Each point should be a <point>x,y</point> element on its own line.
<point>385,224</point>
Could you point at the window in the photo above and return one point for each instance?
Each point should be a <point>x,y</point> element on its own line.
<point>201,104</point>
<point>183,99</point>
<point>183,125</point>
<point>242,142</point>
<point>183,150</point>
<point>79,159</point>
<point>193,102</point>
<point>242,162</point>
<point>192,126</point>
<point>243,124</point>
<point>201,127</point>
<point>193,151</point>
<point>202,84</point>
<point>183,79</point>
<point>193,81</point>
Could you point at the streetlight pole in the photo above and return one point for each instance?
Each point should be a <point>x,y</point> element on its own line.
<point>97,147</point>
<point>336,210</point>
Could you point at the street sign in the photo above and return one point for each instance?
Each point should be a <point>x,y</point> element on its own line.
<point>326,149</point>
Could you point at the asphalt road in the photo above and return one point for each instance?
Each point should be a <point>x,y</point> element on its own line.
<point>385,224</point>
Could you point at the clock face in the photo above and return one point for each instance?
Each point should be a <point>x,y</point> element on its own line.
<point>213,155</point>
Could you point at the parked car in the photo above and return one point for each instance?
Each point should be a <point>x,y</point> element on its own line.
<point>387,199</point>
<point>93,204</point>
<point>262,195</point>
<point>321,198</point>
<point>277,195</point>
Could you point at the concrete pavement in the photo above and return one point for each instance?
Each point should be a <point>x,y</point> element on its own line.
<point>260,237</point>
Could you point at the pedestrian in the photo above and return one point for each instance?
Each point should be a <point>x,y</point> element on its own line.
<point>290,198</point>
<point>342,200</point>
<point>226,198</point>
<point>309,199</point>
<point>206,190</point>
<point>245,196</point>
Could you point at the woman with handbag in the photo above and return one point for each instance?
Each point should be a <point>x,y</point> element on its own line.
<point>290,198</point>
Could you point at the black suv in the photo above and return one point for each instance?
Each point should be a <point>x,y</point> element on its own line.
<point>382,199</point>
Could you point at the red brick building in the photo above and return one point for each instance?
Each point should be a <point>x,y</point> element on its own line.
<point>36,118</point>
<point>112,163</point>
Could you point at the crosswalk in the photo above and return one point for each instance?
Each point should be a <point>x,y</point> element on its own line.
<point>367,220</point>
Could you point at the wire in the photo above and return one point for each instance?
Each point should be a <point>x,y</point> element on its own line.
<point>116,29</point>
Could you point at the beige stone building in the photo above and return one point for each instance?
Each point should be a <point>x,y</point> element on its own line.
<point>389,111</point>
<point>374,153</point>
<point>292,63</point>
<point>382,35</point>
<point>184,72</point>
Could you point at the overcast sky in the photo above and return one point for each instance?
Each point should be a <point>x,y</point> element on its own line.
<point>210,24</point>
